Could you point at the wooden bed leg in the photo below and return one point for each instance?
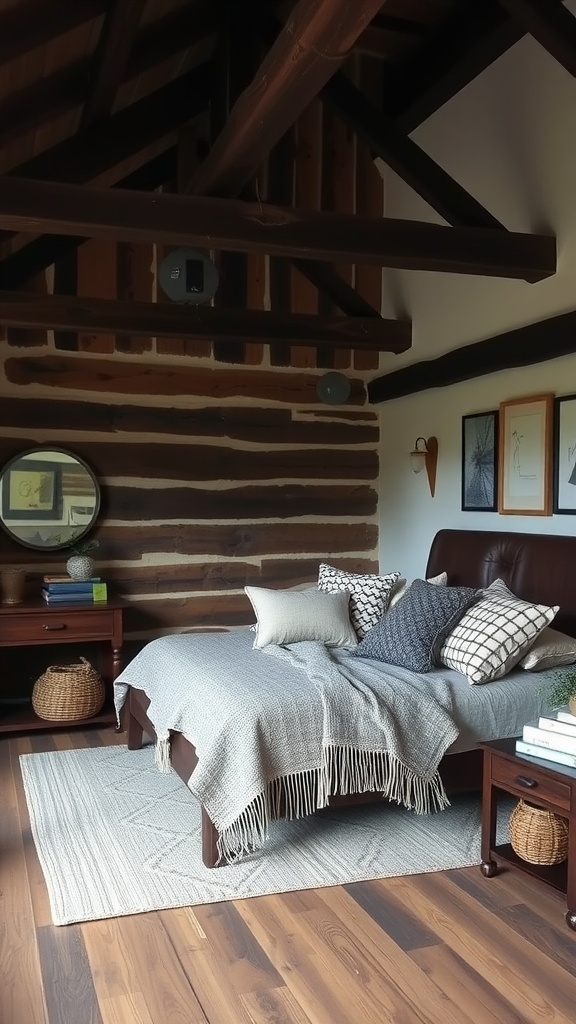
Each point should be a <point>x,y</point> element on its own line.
<point>135,733</point>
<point>209,842</point>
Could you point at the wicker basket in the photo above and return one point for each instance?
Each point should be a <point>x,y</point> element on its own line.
<point>538,836</point>
<point>68,692</point>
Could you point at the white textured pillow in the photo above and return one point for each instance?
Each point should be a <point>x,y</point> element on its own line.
<point>551,650</point>
<point>494,634</point>
<point>288,616</point>
<point>368,592</point>
<point>400,588</point>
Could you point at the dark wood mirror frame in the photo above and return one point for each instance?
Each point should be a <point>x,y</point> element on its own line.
<point>49,498</point>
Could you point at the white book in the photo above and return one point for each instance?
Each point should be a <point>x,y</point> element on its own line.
<point>532,733</point>
<point>545,753</point>
<point>564,715</point>
<point>556,725</point>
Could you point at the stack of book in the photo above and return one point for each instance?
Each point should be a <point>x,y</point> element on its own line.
<point>65,590</point>
<point>551,738</point>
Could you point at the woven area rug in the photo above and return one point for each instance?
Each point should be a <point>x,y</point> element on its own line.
<point>115,836</point>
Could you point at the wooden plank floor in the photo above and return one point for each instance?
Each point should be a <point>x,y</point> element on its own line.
<point>445,948</point>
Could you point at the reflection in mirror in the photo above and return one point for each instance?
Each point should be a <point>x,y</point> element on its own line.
<point>49,498</point>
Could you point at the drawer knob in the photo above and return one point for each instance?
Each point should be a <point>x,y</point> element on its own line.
<point>54,625</point>
<point>528,783</point>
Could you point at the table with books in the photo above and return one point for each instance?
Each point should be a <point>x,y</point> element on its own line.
<point>539,768</point>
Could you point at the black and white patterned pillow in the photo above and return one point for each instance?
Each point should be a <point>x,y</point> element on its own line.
<point>494,634</point>
<point>413,631</point>
<point>369,594</point>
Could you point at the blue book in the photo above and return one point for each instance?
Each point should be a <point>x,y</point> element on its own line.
<point>82,597</point>
<point>84,587</point>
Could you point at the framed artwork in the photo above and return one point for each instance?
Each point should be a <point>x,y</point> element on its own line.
<point>565,455</point>
<point>525,486</point>
<point>31,490</point>
<point>479,462</point>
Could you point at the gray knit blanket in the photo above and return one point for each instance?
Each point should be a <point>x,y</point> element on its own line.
<point>282,729</point>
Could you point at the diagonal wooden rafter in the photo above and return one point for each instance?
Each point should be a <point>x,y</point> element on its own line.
<point>552,25</point>
<point>313,44</point>
<point>37,206</point>
<point>30,25</point>
<point>109,62</point>
<point>534,343</point>
<point>477,38</point>
<point>70,313</point>
<point>413,165</point>
<point>62,92</point>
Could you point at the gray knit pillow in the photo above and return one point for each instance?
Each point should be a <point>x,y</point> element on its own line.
<point>413,631</point>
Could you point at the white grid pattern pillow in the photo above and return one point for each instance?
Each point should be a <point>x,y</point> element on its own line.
<point>369,594</point>
<point>492,636</point>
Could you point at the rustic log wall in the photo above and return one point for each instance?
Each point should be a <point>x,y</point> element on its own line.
<point>219,466</point>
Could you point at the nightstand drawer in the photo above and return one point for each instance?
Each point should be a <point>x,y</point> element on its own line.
<point>531,782</point>
<point>53,625</point>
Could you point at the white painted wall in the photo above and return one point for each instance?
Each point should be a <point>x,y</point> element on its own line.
<point>510,139</point>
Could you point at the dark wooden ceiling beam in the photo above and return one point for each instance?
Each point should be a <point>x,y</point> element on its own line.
<point>413,165</point>
<point>329,282</point>
<point>36,207</point>
<point>42,252</point>
<point>27,26</point>
<point>27,109</point>
<point>111,58</point>
<point>535,343</point>
<point>70,313</point>
<point>552,25</point>
<point>106,145</point>
<point>313,44</point>
<point>478,36</point>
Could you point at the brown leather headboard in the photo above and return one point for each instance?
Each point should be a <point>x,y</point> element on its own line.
<point>537,567</point>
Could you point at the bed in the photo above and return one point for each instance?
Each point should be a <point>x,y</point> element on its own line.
<point>537,568</point>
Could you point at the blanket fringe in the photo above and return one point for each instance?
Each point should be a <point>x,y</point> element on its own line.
<point>162,755</point>
<point>344,770</point>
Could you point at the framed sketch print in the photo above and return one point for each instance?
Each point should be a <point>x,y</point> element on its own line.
<point>525,485</point>
<point>479,462</point>
<point>565,455</point>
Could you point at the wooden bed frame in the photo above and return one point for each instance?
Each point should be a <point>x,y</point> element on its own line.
<point>536,567</point>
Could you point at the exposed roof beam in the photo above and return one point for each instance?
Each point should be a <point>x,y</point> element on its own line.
<point>62,92</point>
<point>18,309</point>
<point>457,57</point>
<point>96,153</point>
<point>416,168</point>
<point>27,26</point>
<point>330,283</point>
<point>314,42</point>
<point>31,259</point>
<point>534,343</point>
<point>38,206</point>
<point>109,62</point>
<point>552,25</point>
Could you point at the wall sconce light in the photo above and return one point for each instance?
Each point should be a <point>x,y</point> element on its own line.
<point>425,454</point>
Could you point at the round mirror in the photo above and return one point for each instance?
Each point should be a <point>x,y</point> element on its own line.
<point>49,498</point>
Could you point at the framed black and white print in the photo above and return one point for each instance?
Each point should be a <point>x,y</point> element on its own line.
<point>565,455</point>
<point>479,462</point>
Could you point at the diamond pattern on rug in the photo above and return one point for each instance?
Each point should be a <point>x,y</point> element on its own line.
<point>115,836</point>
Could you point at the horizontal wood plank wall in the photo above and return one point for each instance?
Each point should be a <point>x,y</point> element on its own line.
<point>214,474</point>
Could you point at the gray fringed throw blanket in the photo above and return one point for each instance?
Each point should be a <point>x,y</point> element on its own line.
<point>287,727</point>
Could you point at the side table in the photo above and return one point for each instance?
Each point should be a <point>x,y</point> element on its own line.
<point>547,785</point>
<point>36,623</point>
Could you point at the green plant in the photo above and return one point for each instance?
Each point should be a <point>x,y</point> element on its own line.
<point>562,689</point>
<point>85,547</point>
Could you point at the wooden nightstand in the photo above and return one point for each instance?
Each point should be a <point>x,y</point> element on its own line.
<point>548,785</point>
<point>34,623</point>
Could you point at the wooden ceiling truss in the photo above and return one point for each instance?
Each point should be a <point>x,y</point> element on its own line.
<point>94,183</point>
